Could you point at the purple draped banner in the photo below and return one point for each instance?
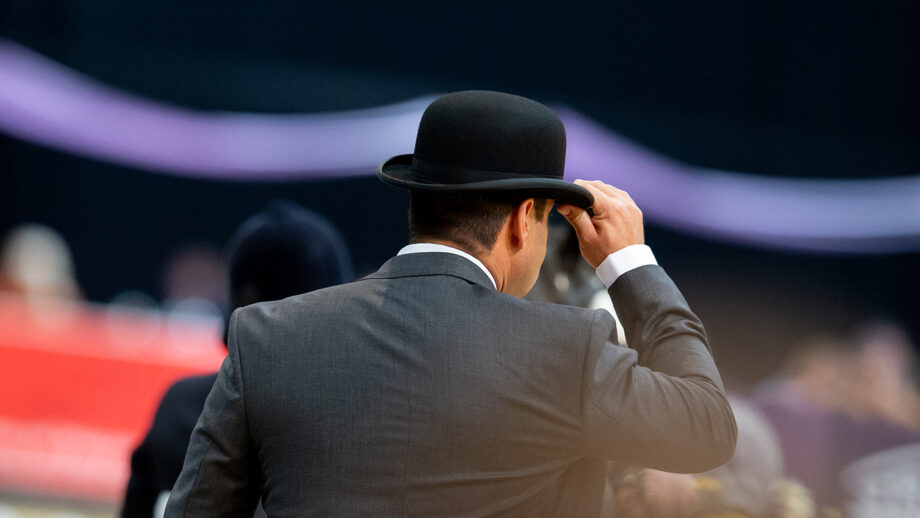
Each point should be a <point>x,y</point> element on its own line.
<point>43,102</point>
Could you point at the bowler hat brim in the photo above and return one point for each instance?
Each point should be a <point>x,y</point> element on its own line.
<point>398,171</point>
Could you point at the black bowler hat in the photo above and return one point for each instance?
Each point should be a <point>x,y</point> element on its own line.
<point>478,141</point>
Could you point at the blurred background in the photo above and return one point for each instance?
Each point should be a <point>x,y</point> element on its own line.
<point>774,148</point>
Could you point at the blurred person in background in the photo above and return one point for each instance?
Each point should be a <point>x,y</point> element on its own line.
<point>281,251</point>
<point>566,278</point>
<point>882,480</point>
<point>839,399</point>
<point>36,264</point>
<point>194,281</point>
<point>885,372</point>
<point>814,377</point>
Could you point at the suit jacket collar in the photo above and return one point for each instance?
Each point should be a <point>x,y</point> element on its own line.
<point>432,263</point>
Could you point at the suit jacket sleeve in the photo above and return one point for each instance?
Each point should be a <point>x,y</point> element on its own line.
<point>219,477</point>
<point>660,404</point>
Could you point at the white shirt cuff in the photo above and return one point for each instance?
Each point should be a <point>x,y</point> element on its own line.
<point>624,260</point>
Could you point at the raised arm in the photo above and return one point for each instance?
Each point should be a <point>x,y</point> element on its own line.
<point>660,404</point>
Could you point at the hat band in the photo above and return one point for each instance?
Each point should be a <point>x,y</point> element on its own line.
<point>427,172</point>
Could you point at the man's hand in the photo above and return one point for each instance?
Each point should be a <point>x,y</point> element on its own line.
<point>617,222</point>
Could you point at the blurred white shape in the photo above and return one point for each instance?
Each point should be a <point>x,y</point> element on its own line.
<point>885,485</point>
<point>159,509</point>
<point>36,261</point>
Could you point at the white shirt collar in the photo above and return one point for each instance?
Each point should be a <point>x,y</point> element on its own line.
<point>417,248</point>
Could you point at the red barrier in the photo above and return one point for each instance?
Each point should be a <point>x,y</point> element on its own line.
<point>78,388</point>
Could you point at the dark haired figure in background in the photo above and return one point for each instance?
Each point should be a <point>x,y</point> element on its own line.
<point>430,387</point>
<point>566,278</point>
<point>281,251</point>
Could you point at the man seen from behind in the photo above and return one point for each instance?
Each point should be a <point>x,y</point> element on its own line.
<point>431,388</point>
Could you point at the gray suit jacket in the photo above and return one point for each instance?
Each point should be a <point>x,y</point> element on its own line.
<point>421,391</point>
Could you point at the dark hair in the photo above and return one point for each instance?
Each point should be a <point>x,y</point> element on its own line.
<point>471,220</point>
<point>285,250</point>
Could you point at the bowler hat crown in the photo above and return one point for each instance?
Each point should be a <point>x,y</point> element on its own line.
<point>487,141</point>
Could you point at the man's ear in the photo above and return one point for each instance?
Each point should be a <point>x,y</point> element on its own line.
<point>520,224</point>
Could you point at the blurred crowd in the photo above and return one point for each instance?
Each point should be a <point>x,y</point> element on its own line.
<point>834,432</point>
